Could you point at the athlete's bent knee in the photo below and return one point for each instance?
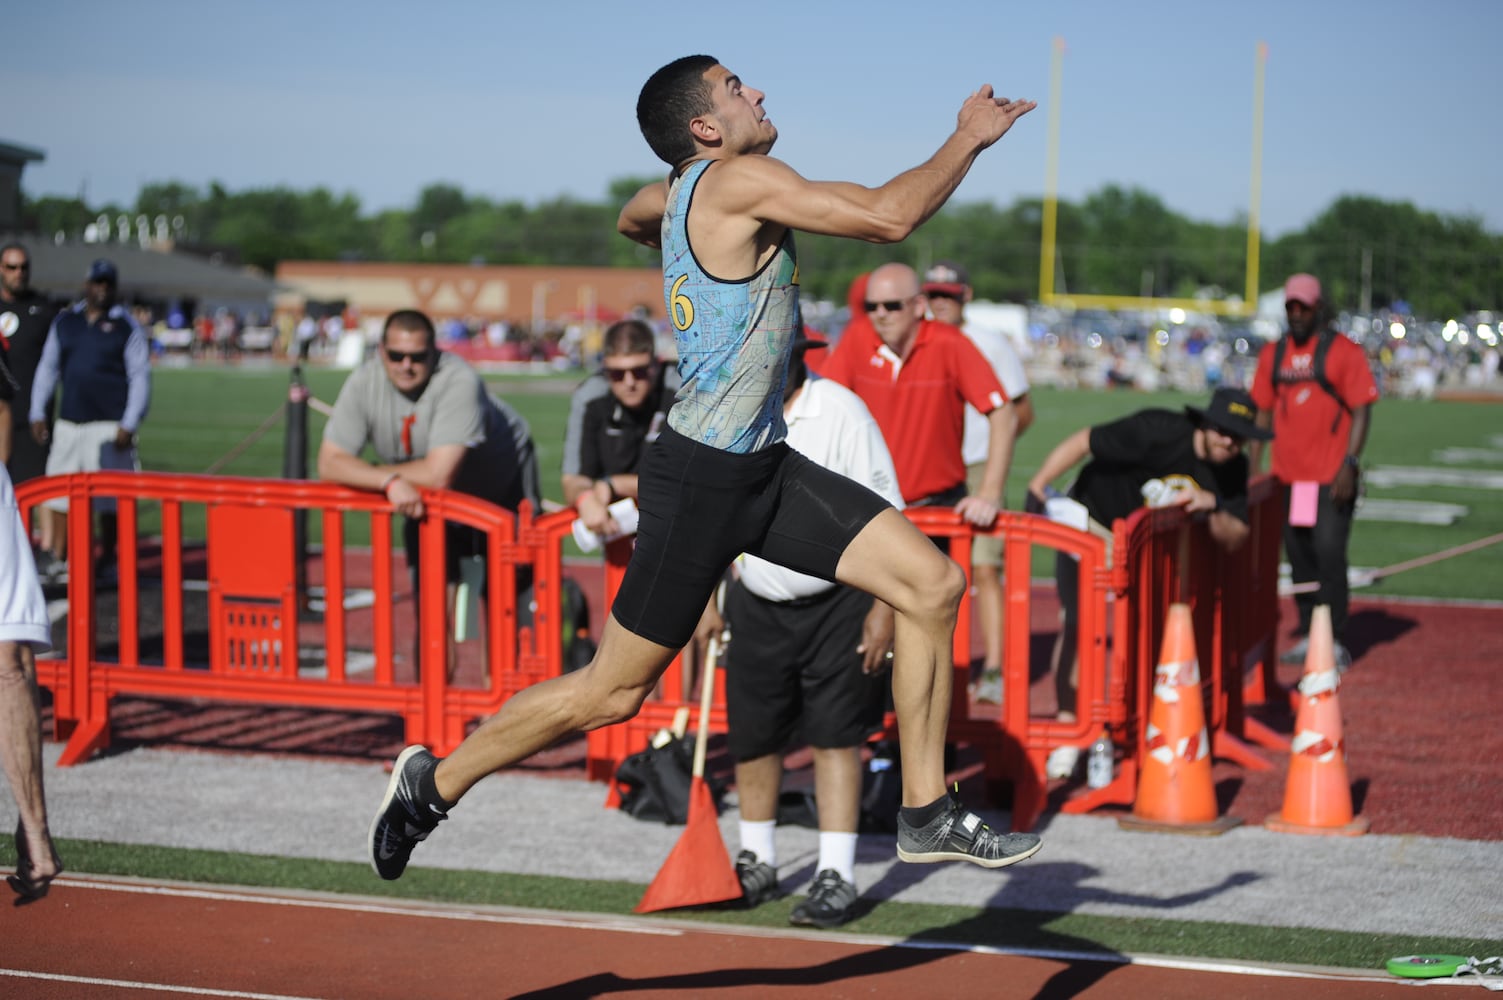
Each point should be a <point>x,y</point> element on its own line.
<point>606,705</point>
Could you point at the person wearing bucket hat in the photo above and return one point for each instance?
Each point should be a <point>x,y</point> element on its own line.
<point>1231,411</point>
<point>1191,458</point>
<point>1316,392</point>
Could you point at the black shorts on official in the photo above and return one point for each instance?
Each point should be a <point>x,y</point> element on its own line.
<point>792,663</point>
<point>701,507</point>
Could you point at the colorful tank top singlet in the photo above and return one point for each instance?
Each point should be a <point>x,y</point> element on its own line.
<point>733,336</point>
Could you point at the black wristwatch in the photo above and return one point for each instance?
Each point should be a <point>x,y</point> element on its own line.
<point>1352,461</point>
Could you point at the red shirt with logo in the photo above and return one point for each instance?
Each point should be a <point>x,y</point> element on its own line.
<point>1311,430</point>
<point>918,401</point>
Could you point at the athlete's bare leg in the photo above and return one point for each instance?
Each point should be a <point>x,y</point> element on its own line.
<point>893,561</point>
<point>21,757</point>
<point>609,690</point>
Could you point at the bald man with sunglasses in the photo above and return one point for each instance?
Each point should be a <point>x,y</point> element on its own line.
<point>916,376</point>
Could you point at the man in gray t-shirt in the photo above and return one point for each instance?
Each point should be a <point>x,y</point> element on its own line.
<point>432,424</point>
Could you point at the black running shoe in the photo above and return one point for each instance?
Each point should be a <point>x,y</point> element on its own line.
<point>959,835</point>
<point>759,880</point>
<point>402,820</point>
<point>830,902</point>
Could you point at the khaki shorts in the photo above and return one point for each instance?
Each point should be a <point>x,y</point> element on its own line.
<point>986,550</point>
<point>88,447</point>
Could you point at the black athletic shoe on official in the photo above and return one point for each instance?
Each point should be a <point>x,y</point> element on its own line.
<point>831,902</point>
<point>959,835</point>
<point>402,820</point>
<point>759,880</point>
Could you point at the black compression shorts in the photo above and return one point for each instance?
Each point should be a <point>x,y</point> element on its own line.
<point>701,507</point>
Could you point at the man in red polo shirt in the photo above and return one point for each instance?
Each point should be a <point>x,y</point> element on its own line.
<point>916,375</point>
<point>1314,389</point>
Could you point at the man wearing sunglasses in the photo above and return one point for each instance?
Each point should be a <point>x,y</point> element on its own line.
<point>917,376</point>
<point>432,424</point>
<point>617,424</point>
<point>25,318</point>
<point>721,479</point>
<point>1157,458</point>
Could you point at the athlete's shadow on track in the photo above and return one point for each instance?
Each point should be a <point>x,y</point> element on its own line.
<point>1003,924</point>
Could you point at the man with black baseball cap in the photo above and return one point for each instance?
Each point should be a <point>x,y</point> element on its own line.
<point>1191,458</point>
<point>99,356</point>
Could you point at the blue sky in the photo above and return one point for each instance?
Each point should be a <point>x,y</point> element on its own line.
<point>523,100</point>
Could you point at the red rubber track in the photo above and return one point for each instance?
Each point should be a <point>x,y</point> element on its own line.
<point>95,939</point>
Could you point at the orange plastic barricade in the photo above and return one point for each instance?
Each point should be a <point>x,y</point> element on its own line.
<point>269,644</point>
<point>1015,745</point>
<point>270,641</point>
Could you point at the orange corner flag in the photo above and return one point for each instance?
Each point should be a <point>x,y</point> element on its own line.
<point>698,870</point>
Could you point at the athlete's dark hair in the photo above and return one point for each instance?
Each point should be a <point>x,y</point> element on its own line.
<point>411,320</point>
<point>629,336</point>
<point>670,98</point>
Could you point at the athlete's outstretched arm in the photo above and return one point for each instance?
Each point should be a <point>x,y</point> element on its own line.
<point>770,191</point>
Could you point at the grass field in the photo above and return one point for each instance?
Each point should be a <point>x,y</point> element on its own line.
<point>200,415</point>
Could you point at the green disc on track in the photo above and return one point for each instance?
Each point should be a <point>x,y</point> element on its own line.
<point>1425,966</point>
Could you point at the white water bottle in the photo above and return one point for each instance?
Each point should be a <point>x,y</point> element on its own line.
<point>1099,762</point>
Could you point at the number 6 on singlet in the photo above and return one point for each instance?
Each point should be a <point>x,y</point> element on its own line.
<point>680,306</point>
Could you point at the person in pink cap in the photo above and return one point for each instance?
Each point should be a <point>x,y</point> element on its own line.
<point>1314,389</point>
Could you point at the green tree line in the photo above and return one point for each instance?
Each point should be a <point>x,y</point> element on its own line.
<point>1116,241</point>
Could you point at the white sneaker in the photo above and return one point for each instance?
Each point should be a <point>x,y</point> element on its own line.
<point>988,691</point>
<point>1063,762</point>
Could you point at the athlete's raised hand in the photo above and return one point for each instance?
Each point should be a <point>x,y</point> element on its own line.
<point>987,117</point>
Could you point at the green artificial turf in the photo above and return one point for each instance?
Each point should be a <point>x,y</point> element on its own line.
<point>201,417</point>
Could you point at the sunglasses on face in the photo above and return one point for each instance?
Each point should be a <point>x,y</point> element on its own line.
<point>943,295</point>
<point>890,305</point>
<point>15,267</point>
<point>1233,441</point>
<point>397,357</point>
<point>641,373</point>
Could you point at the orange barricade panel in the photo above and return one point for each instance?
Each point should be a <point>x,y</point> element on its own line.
<point>252,589</point>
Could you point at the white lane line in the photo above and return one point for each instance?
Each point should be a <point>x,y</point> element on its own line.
<point>128,984</point>
<point>381,908</point>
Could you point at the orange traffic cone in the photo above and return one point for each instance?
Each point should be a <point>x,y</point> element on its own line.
<point>698,870</point>
<point>1318,797</point>
<point>1175,791</point>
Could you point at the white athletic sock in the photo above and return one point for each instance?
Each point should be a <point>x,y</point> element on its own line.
<point>838,851</point>
<point>756,836</point>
